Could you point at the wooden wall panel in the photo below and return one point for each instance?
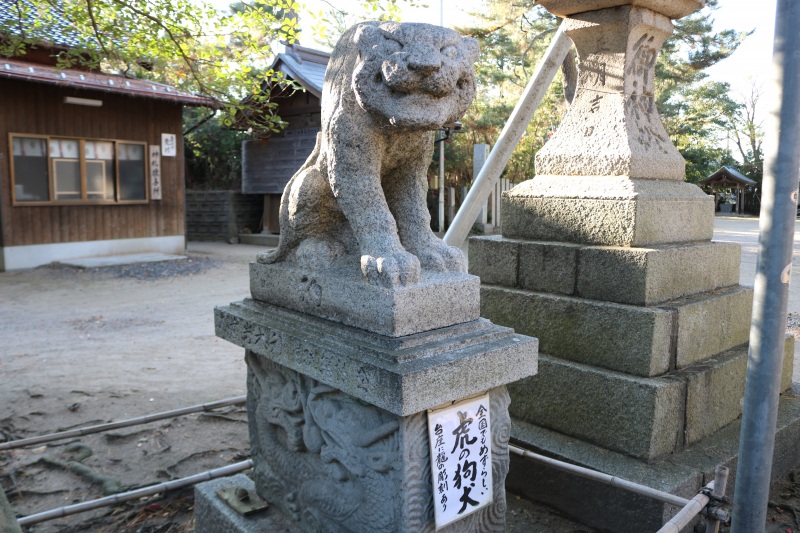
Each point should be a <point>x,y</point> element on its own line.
<point>38,108</point>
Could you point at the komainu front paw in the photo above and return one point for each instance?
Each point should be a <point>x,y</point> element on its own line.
<point>440,257</point>
<point>392,270</point>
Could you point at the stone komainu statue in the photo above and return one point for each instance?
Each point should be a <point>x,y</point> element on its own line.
<point>361,193</point>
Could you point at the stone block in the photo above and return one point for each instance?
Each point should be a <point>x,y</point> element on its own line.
<point>714,392</point>
<point>640,417</point>
<point>340,294</point>
<point>652,275</point>
<point>626,338</point>
<point>548,267</point>
<point>788,363</point>
<point>494,260</point>
<point>715,389</point>
<point>333,463</point>
<point>611,211</point>
<point>212,515</point>
<point>608,508</point>
<point>403,375</point>
<point>710,323</point>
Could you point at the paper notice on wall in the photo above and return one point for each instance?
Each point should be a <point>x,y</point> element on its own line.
<point>461,458</point>
<point>168,145</point>
<point>155,172</point>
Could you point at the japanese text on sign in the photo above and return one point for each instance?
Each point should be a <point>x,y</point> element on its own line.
<point>155,172</point>
<point>461,458</point>
<point>168,145</point>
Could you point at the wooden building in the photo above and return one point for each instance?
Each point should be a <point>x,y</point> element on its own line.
<point>268,164</point>
<point>733,191</point>
<point>90,164</point>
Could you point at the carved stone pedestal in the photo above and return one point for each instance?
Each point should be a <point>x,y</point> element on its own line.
<point>338,415</point>
<point>606,257</point>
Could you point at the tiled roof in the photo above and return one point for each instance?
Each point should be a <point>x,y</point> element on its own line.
<point>58,33</point>
<point>22,70</point>
<point>304,65</point>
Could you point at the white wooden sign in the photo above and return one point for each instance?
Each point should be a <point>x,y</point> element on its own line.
<point>155,172</point>
<point>168,145</point>
<point>461,458</point>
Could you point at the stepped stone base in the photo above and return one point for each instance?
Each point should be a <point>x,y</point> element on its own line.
<point>340,294</point>
<point>643,341</point>
<point>608,210</point>
<point>643,417</point>
<point>636,276</point>
<point>402,375</point>
<point>618,511</point>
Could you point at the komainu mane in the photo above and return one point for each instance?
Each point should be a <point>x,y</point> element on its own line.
<point>362,192</point>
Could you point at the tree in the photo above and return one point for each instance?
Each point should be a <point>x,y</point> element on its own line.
<point>747,133</point>
<point>696,112</point>
<point>513,38</point>
<point>183,43</point>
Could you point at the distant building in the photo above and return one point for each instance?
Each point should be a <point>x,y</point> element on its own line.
<point>733,191</point>
<point>93,163</point>
<point>268,164</point>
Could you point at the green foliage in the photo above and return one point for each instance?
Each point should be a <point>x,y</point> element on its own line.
<point>697,113</point>
<point>513,38</point>
<point>213,152</point>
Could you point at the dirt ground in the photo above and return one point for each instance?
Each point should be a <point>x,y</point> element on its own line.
<point>85,346</point>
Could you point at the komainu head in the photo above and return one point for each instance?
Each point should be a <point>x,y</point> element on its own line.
<point>415,76</point>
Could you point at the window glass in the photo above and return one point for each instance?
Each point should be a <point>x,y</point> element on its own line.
<point>30,169</point>
<point>132,176</point>
<point>65,155</point>
<point>100,182</point>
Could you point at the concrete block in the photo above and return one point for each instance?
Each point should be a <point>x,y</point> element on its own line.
<point>212,515</point>
<point>626,338</point>
<point>494,260</point>
<point>641,417</point>
<point>711,323</point>
<point>611,211</point>
<point>403,375</point>
<point>342,295</point>
<point>548,267</point>
<point>652,275</point>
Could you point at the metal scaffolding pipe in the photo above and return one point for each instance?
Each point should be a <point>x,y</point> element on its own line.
<point>630,486</point>
<point>135,494</point>
<point>687,513</point>
<point>509,138</point>
<point>773,274</point>
<point>121,424</point>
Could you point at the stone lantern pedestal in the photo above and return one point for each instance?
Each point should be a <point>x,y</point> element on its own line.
<point>606,257</point>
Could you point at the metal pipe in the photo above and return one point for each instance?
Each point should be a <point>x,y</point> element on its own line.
<point>720,485</point>
<point>687,513</point>
<point>773,273</point>
<point>121,424</point>
<point>134,494</point>
<point>442,136</point>
<point>509,138</point>
<point>642,490</point>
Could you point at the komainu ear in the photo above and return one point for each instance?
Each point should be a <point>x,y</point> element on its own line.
<point>367,36</point>
<point>471,48</point>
